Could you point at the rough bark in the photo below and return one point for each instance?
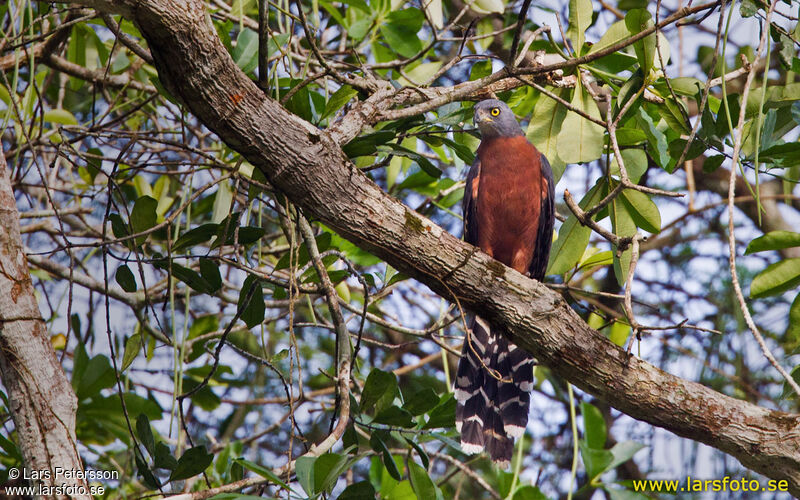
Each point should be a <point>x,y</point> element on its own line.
<point>309,167</point>
<point>40,397</point>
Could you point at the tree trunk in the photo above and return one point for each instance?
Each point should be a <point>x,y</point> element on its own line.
<point>308,166</point>
<point>40,397</point>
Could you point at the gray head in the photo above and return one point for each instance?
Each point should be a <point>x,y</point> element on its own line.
<point>495,119</point>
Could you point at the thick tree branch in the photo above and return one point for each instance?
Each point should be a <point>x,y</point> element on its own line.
<point>308,166</point>
<point>41,399</point>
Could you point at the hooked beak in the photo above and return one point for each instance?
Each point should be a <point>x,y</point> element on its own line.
<point>482,116</point>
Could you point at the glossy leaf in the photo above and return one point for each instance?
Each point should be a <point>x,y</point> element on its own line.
<point>421,401</point>
<point>642,210</point>
<point>143,216</point>
<point>251,302</point>
<point>594,426</point>
<point>263,472</point>
<point>145,434</point>
<point>580,18</point>
<point>776,278</point>
<point>133,346</point>
<point>60,117</point>
<point>623,225</point>
<point>638,20</point>
<point>400,31</point>
<point>544,128</point>
<point>377,444</point>
<point>379,385</point>
<point>774,240</point>
<point>635,161</point>
<point>125,279</point>
<point>579,139</point>
<point>420,481</point>
<point>573,236</point>
<point>192,462</point>
<point>339,98</point>
<point>615,33</point>
<point>362,490</point>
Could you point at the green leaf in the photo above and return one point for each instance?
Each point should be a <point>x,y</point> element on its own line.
<point>596,461</point>
<point>251,302</point>
<point>622,452</point>
<point>395,416</point>
<point>125,279</point>
<point>420,481</point>
<point>304,468</point>
<point>60,116</point>
<point>186,275</point>
<point>118,226</point>
<point>623,225</point>
<point>421,452</point>
<point>635,161</point>
<point>748,8</point>
<point>377,444</point>
<point>776,278</point>
<point>642,210</point>
<point>712,163</point>
<point>573,237</point>
<point>133,347</point>
<point>245,53</point>
<point>594,426</point>
<point>657,141</point>
<point>638,20</point>
<point>686,86</point>
<point>209,271</point>
<point>480,70</point>
<point>424,163</point>
<point>145,434</point>
<point>263,472</point>
<point>195,236</point>
<point>163,458</point>
<point>421,401</point>
<point>629,136</point>
<point>599,259</point>
<point>544,127</point>
<point>444,415</point>
<point>192,462</point>
<point>580,18</point>
<point>379,385</point>
<point>784,155</point>
<point>793,328</point>
<point>368,144</point>
<point>362,490</point>
<point>97,376</point>
<point>222,205</point>
<point>529,492</point>
<point>339,98</point>
<point>615,33</point>
<point>774,240</point>
<point>400,31</point>
<point>580,140</point>
<point>144,471</point>
<point>327,469</point>
<point>143,216</point>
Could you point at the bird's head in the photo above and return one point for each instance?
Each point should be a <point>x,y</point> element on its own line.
<point>495,119</point>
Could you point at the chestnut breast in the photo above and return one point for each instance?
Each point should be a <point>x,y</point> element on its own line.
<point>509,200</point>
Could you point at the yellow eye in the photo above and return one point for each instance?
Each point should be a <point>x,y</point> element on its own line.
<point>495,111</point>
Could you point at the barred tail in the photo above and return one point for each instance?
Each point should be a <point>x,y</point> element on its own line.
<point>492,388</point>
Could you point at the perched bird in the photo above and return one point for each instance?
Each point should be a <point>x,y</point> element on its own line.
<point>509,214</point>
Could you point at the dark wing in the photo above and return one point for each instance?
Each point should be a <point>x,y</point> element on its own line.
<point>544,235</point>
<point>469,205</point>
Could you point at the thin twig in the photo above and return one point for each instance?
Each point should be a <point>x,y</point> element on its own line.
<point>737,146</point>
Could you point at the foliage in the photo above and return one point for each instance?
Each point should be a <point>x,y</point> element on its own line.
<point>188,306</point>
